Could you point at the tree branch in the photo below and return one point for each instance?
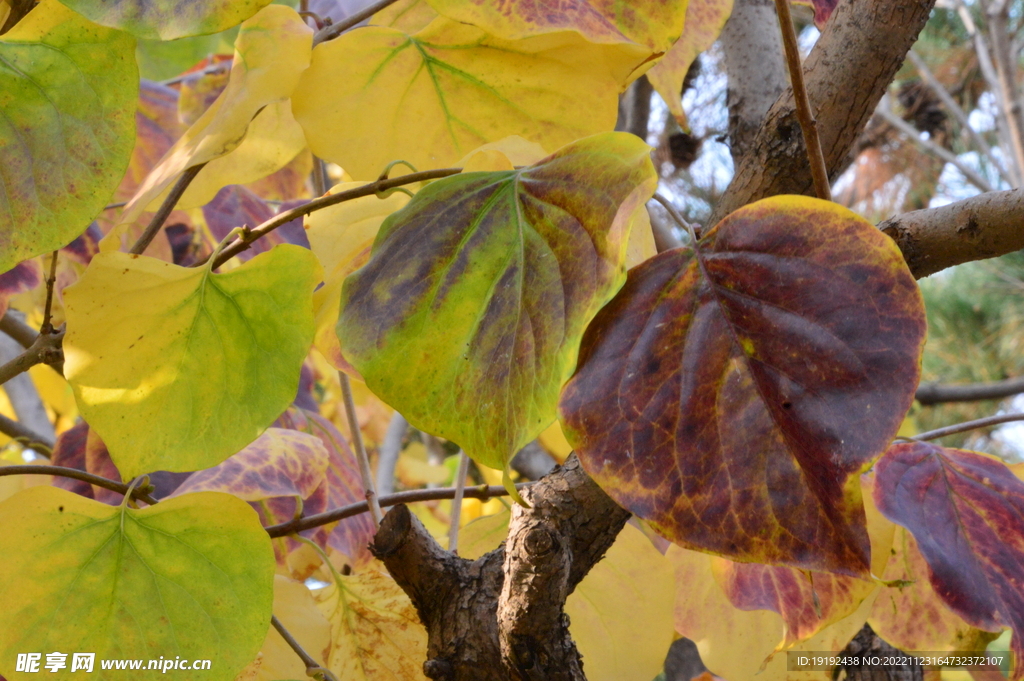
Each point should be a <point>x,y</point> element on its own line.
<point>380,186</point>
<point>46,349</point>
<point>18,330</point>
<point>165,209</point>
<point>334,30</point>
<point>965,426</point>
<point>936,393</point>
<point>25,436</point>
<point>983,226</point>
<point>74,473</point>
<point>313,668</point>
<point>929,147</point>
<point>847,72</point>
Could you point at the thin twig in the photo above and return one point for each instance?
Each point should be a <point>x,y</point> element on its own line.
<point>287,216</point>
<point>482,492</point>
<point>936,393</point>
<point>967,425</point>
<point>48,307</point>
<point>947,100</point>
<point>334,30</point>
<point>804,115</point>
<point>998,14</point>
<point>313,669</point>
<point>165,209</point>
<point>112,206</point>
<point>357,442</point>
<point>46,349</point>
<point>674,214</point>
<point>930,147</point>
<point>75,474</point>
<point>460,490</point>
<point>26,437</point>
<point>212,68</point>
<point>21,332</point>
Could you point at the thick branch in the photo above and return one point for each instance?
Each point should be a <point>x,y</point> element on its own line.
<point>847,72</point>
<point>501,617</point>
<point>26,436</point>
<point>18,330</point>
<point>983,226</point>
<point>935,393</point>
<point>46,349</point>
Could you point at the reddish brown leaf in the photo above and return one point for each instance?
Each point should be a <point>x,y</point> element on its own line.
<point>822,10</point>
<point>341,487</point>
<point>731,399</point>
<point>966,512</point>
<point>81,448</point>
<point>235,206</point>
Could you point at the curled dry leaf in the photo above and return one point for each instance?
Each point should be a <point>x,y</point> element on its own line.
<point>766,372</point>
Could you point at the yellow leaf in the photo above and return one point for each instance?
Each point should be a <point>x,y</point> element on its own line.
<point>375,632</point>
<point>295,607</point>
<point>54,390</point>
<point>628,592</point>
<point>554,442</point>
<point>406,15</point>
<point>178,368</point>
<point>505,154</point>
<point>484,534</point>
<point>412,472</point>
<point>5,10</point>
<point>704,21</point>
<point>341,237</point>
<point>641,244</point>
<point>377,94</point>
<point>272,50</point>
<point>271,142</point>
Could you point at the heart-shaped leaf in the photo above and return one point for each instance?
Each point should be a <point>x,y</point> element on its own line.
<point>467,317</point>
<point>966,512</point>
<point>190,577</point>
<point>179,368</point>
<point>732,398</point>
<point>377,94</point>
<point>68,93</point>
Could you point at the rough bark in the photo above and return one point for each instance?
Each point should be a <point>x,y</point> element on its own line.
<point>757,74</point>
<point>983,226</point>
<point>853,61</point>
<point>500,617</point>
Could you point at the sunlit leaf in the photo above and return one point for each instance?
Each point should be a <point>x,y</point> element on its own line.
<point>67,104</point>
<point>467,317</point>
<point>179,368</point>
<point>731,399</point>
<point>966,513</point>
<point>653,23</point>
<point>704,21</point>
<point>279,463</point>
<point>633,583</point>
<point>377,94</point>
<point>405,15</point>
<point>272,50</point>
<point>167,19</point>
<point>294,606</point>
<point>375,632</point>
<point>190,577</point>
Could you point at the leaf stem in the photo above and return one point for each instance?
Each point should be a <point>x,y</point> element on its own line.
<point>357,442</point>
<point>47,327</point>
<point>808,125</point>
<point>323,202</point>
<point>674,214</point>
<point>334,30</point>
<point>313,669</point>
<point>460,490</point>
<point>165,209</point>
<point>964,427</point>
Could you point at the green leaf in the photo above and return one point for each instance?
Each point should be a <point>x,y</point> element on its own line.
<point>468,316</point>
<point>732,398</point>
<point>68,91</point>
<point>179,368</point>
<point>966,512</point>
<point>167,19</point>
<point>191,577</point>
